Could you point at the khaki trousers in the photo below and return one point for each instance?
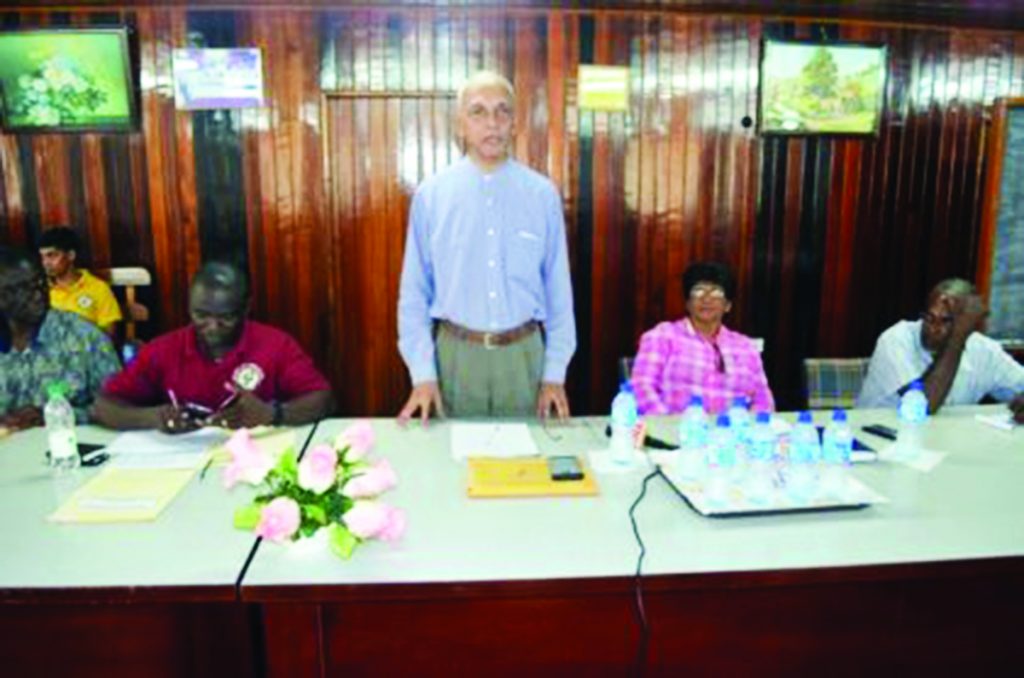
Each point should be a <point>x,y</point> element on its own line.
<point>477,381</point>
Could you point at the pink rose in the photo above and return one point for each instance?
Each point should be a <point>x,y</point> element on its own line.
<point>359,438</point>
<point>279,519</point>
<point>248,461</point>
<point>378,478</point>
<point>317,469</point>
<point>372,519</point>
<point>395,527</point>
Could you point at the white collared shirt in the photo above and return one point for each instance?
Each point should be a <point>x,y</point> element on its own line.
<point>900,357</point>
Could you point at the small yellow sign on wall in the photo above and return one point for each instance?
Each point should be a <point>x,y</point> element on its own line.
<point>604,88</point>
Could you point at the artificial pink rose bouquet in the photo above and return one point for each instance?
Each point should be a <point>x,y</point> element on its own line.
<point>334,488</point>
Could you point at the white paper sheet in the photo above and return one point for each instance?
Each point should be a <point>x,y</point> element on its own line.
<point>492,440</point>
<point>923,460</point>
<point>153,449</point>
<point>1003,420</point>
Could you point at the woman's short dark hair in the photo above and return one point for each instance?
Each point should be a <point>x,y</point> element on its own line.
<point>708,272</point>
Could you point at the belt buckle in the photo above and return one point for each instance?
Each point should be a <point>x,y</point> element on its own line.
<point>489,341</point>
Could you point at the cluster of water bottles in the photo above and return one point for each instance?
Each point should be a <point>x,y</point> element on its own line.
<point>740,453</point>
<point>744,455</point>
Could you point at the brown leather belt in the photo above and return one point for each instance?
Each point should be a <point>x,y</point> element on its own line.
<point>490,339</point>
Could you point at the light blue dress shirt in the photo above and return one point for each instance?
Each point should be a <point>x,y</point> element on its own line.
<point>900,357</point>
<point>488,252</point>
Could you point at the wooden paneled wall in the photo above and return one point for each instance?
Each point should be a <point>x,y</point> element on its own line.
<point>831,239</point>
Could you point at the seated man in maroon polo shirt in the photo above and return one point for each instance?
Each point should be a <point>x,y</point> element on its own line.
<point>222,370</point>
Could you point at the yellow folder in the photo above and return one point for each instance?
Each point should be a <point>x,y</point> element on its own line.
<point>123,495</point>
<point>523,477</point>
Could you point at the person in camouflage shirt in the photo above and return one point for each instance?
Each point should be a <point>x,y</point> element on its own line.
<point>40,345</point>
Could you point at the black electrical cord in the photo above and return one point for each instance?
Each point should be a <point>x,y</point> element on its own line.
<point>640,662</point>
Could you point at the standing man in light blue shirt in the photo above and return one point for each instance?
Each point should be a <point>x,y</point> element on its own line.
<point>485,315</point>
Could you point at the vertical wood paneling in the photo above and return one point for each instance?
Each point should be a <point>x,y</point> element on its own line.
<point>831,239</point>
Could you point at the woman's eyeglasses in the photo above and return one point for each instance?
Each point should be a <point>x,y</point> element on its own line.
<point>707,292</point>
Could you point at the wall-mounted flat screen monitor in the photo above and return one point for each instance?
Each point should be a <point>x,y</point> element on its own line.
<point>817,88</point>
<point>66,80</point>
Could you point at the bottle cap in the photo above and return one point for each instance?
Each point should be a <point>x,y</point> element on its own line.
<point>722,421</point>
<point>696,399</point>
<point>839,414</point>
<point>625,386</point>
<point>917,385</point>
<point>764,417</point>
<point>739,401</point>
<point>55,389</point>
<point>805,417</point>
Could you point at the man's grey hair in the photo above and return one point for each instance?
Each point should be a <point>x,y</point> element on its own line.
<point>482,80</point>
<point>953,287</point>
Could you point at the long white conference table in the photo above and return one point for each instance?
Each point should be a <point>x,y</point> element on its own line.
<point>931,581</point>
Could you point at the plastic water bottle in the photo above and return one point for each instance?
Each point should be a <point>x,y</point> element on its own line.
<point>624,419</point>
<point>761,453</point>
<point>836,452</point>
<point>913,414</point>
<point>804,454</point>
<point>763,441</point>
<point>693,438</point>
<point>739,420</point>
<point>721,460</point>
<point>60,429</point>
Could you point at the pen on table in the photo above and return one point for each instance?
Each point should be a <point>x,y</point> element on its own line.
<point>209,463</point>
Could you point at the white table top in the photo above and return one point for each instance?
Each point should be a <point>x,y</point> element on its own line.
<point>192,543</point>
<point>968,507</point>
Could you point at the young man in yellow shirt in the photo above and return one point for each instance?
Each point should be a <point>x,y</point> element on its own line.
<point>75,289</point>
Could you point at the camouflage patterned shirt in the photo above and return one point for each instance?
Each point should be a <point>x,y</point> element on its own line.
<point>66,348</point>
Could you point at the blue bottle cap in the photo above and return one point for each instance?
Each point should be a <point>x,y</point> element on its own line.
<point>917,385</point>
<point>626,386</point>
<point>696,399</point>
<point>722,421</point>
<point>839,415</point>
<point>805,417</point>
<point>764,417</point>
<point>739,401</point>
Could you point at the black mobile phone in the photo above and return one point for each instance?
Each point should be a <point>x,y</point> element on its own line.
<point>87,453</point>
<point>196,411</point>
<point>881,431</point>
<point>565,468</point>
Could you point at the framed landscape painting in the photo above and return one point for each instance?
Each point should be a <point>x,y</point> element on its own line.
<point>817,88</point>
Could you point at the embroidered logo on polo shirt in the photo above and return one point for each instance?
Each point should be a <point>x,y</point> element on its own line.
<point>248,376</point>
<point>84,301</point>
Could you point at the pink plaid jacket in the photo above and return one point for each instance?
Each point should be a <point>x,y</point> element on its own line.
<point>675,361</point>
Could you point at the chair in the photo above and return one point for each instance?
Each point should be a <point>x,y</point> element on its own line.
<point>834,382</point>
<point>130,277</point>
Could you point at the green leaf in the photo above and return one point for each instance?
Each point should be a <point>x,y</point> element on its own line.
<point>315,513</point>
<point>287,466</point>
<point>247,517</point>
<point>342,542</point>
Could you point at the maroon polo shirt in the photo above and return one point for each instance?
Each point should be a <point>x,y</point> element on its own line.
<point>265,360</point>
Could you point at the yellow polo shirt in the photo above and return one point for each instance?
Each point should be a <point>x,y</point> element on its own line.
<point>90,298</point>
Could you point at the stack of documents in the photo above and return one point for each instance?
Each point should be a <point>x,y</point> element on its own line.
<point>147,470</point>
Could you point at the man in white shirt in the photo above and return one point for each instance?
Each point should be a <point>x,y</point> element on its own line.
<point>945,350</point>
